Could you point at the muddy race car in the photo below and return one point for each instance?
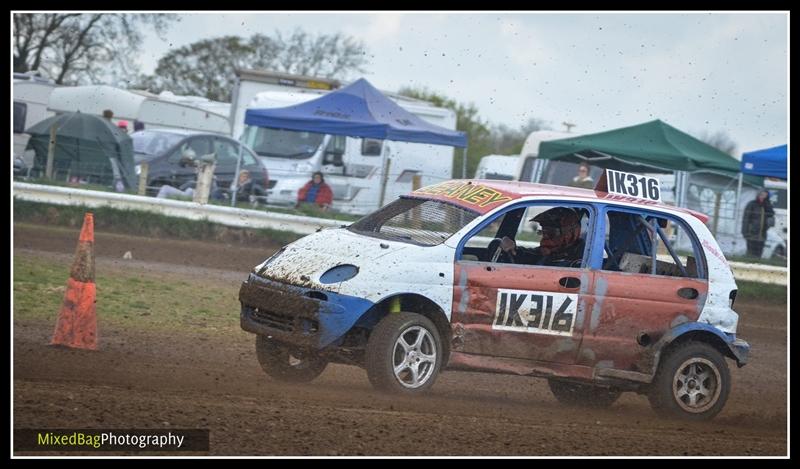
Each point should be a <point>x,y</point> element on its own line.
<point>585,288</point>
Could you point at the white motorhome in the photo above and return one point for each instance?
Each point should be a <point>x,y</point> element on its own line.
<point>150,109</point>
<point>369,171</point>
<point>531,169</point>
<point>707,192</point>
<point>31,95</point>
<point>500,167</point>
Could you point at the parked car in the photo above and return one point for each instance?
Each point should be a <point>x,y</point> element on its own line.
<point>164,152</point>
<point>429,282</point>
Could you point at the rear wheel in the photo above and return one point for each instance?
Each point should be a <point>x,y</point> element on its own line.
<point>283,364</point>
<point>692,382</point>
<point>583,395</point>
<point>404,354</point>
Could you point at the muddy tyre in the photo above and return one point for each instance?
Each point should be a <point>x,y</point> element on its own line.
<point>404,354</point>
<point>692,383</point>
<point>583,395</point>
<point>281,364</point>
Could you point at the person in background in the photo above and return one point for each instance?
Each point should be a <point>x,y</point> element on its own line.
<point>137,126</point>
<point>248,190</point>
<point>108,114</point>
<point>316,191</point>
<point>583,179</point>
<point>758,217</point>
<point>123,125</point>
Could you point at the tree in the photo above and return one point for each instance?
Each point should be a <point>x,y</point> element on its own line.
<point>719,140</point>
<point>75,48</point>
<point>207,68</point>
<point>508,141</point>
<point>482,138</point>
<point>479,141</point>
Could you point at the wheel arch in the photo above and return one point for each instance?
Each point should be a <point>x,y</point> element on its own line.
<point>411,303</point>
<point>699,332</point>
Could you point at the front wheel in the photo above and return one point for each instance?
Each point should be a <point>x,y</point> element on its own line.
<point>404,354</point>
<point>692,383</point>
<point>282,364</point>
<point>583,395</point>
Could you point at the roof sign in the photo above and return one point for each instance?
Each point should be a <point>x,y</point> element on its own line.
<point>629,185</point>
<point>475,196</point>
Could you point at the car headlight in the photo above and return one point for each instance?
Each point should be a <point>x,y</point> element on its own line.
<point>340,273</point>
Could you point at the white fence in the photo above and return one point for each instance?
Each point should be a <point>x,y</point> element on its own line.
<point>258,219</point>
<point>175,208</point>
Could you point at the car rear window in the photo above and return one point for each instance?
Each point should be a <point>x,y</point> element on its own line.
<point>417,221</point>
<point>147,142</point>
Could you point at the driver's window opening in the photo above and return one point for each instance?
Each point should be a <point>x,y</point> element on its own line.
<point>544,235</point>
<point>646,244</point>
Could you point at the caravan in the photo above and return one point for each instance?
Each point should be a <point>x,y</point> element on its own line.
<point>31,95</point>
<point>154,111</point>
<point>368,172</point>
<point>498,167</point>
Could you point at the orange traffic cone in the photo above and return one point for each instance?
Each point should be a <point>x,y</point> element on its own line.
<point>77,321</point>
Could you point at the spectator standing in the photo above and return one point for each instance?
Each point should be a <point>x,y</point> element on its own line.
<point>758,217</point>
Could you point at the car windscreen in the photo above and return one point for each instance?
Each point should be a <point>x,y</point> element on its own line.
<point>279,143</point>
<point>146,142</point>
<point>417,221</point>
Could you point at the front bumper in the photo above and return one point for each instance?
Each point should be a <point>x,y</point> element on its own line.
<point>741,350</point>
<point>298,316</point>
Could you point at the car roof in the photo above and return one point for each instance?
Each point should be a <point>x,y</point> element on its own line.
<point>185,132</point>
<point>484,195</point>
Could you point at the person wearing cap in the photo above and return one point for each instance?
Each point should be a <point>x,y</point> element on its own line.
<point>561,242</point>
<point>123,125</point>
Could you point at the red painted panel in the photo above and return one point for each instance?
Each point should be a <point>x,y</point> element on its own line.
<point>475,305</point>
<point>628,306</point>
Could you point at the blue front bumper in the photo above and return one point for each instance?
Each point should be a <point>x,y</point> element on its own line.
<point>299,316</point>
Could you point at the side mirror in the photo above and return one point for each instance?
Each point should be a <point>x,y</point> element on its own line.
<point>334,157</point>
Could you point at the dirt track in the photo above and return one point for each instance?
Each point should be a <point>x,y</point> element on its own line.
<point>207,379</point>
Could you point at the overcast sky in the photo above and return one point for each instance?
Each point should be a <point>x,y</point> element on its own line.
<point>698,72</point>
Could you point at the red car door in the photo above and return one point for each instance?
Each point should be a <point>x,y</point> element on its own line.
<point>516,311</point>
<point>633,306</point>
<point>528,312</point>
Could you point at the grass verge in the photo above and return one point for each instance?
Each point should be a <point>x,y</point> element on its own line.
<point>141,223</point>
<point>761,292</point>
<point>139,300</point>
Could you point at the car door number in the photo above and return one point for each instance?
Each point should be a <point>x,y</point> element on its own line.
<point>535,312</point>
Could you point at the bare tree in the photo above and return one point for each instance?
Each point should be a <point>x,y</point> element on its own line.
<point>719,140</point>
<point>325,56</point>
<point>207,67</point>
<point>508,141</point>
<point>74,48</point>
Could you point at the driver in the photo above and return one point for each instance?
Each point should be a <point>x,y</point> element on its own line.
<point>561,242</point>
